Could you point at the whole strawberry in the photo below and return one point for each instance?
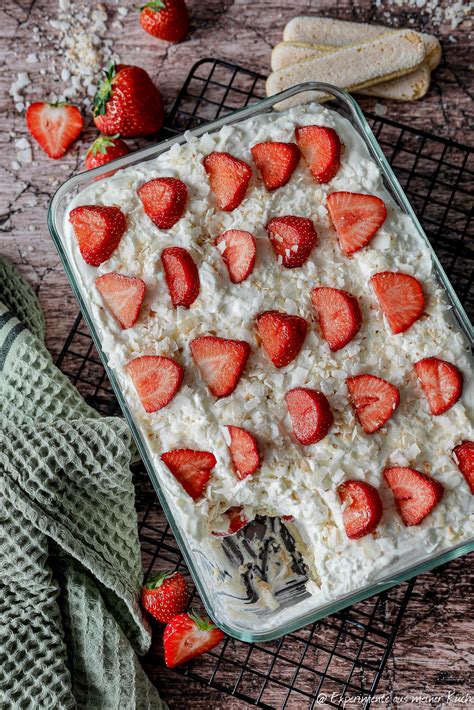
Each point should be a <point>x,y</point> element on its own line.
<point>165,595</point>
<point>127,103</point>
<point>165,19</point>
<point>103,150</point>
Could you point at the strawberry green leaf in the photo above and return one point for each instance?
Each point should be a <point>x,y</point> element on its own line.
<point>104,91</point>
<point>201,623</point>
<point>102,143</point>
<point>157,580</point>
<point>156,5</point>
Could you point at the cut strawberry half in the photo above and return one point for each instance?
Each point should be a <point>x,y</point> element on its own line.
<point>123,296</point>
<point>338,314</point>
<point>374,400</point>
<point>321,150</point>
<point>220,362</point>
<point>310,414</point>
<point>236,521</point>
<point>238,250</point>
<point>192,469</point>
<point>229,178</point>
<point>164,200</point>
<point>415,494</point>
<point>182,276</point>
<point>292,239</point>
<point>98,231</point>
<point>276,162</point>
<point>187,636</point>
<point>156,379</point>
<point>54,126</point>
<point>356,218</point>
<point>441,382</point>
<point>243,452</point>
<point>464,458</point>
<point>282,336</point>
<point>400,297</point>
<point>363,508</point>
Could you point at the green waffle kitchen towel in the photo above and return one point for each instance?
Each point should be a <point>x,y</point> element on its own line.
<point>70,622</point>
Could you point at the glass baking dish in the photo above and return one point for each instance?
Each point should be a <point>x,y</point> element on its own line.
<point>239,615</point>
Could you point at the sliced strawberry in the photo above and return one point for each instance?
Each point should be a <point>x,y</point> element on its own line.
<point>282,335</point>
<point>191,468</point>
<point>229,178</point>
<point>98,230</point>
<point>415,494</point>
<point>292,239</point>
<point>400,297</point>
<point>156,379</point>
<point>123,296</point>
<point>54,126</point>
<point>464,457</point>
<point>321,150</point>
<point>310,414</point>
<point>238,254</point>
<point>276,162</point>
<point>220,362</point>
<point>356,218</point>
<point>374,400</point>
<point>187,636</point>
<point>164,595</point>
<point>237,521</point>
<point>243,451</point>
<point>164,200</point>
<point>363,509</point>
<point>441,382</point>
<point>182,276</point>
<point>339,315</point>
<point>287,518</point>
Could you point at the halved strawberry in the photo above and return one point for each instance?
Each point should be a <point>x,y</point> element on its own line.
<point>182,276</point>
<point>400,297</point>
<point>239,253</point>
<point>164,595</point>
<point>310,414</point>
<point>229,178</point>
<point>321,150</point>
<point>243,452</point>
<point>191,468</point>
<point>356,218</point>
<point>123,295</point>
<point>156,379</point>
<point>364,508</point>
<point>282,336</point>
<point>236,519</point>
<point>54,126</point>
<point>338,314</point>
<point>164,200</point>
<point>374,400</point>
<point>276,162</point>
<point>441,382</point>
<point>415,494</point>
<point>98,230</point>
<point>220,362</point>
<point>464,457</point>
<point>292,239</point>
<point>187,636</point>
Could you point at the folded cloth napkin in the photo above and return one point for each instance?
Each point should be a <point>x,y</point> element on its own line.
<point>70,623</point>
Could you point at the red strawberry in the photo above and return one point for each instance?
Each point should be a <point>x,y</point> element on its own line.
<point>282,336</point>
<point>191,468</point>
<point>364,508</point>
<point>229,178</point>
<point>156,379</point>
<point>164,200</point>
<point>127,103</point>
<point>339,315</point>
<point>464,457</point>
<point>237,521</point>
<point>165,19</point>
<point>239,253</point>
<point>310,414</point>
<point>276,162</point>
<point>356,218</point>
<point>287,518</point>
<point>415,494</point>
<point>103,150</point>
<point>187,636</point>
<point>54,126</point>
<point>441,383</point>
<point>243,451</point>
<point>164,595</point>
<point>98,230</point>
<point>400,297</point>
<point>321,149</point>
<point>182,276</point>
<point>292,239</point>
<point>123,296</point>
<point>220,362</point>
<point>374,400</point>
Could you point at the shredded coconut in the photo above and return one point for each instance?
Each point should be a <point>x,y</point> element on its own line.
<point>440,11</point>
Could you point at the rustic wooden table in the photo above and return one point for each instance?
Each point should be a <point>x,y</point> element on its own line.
<point>433,651</point>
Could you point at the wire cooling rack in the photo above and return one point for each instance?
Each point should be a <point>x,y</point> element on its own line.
<point>344,654</point>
